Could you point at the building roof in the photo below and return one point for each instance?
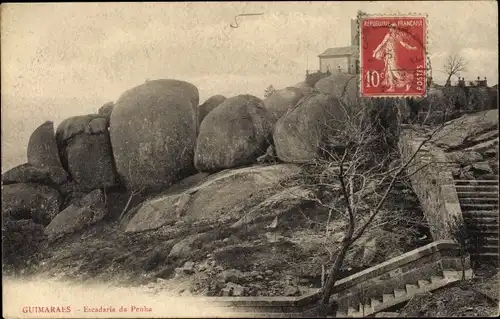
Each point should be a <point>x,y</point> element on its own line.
<point>340,51</point>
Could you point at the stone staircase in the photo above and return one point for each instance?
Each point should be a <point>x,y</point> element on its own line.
<point>365,293</point>
<point>479,204</point>
<point>399,295</point>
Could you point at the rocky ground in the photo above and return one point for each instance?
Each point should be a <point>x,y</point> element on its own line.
<point>477,297</point>
<point>271,263</point>
<point>283,256</point>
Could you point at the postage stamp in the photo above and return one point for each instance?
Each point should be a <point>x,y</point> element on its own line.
<point>393,56</point>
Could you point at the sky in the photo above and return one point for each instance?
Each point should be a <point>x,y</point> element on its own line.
<point>65,59</point>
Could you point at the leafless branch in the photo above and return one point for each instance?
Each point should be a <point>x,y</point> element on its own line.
<point>454,63</point>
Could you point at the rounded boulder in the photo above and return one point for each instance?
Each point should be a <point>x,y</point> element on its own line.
<point>298,135</point>
<point>344,87</point>
<point>153,131</point>
<point>209,105</point>
<point>86,151</point>
<point>281,101</point>
<point>27,173</point>
<point>234,134</point>
<point>335,84</point>
<point>30,201</point>
<point>304,87</point>
<point>42,147</point>
<point>105,110</point>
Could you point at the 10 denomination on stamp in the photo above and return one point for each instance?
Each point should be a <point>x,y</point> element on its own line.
<point>393,56</point>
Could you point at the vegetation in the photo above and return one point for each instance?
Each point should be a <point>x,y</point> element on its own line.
<point>454,63</point>
<point>269,91</point>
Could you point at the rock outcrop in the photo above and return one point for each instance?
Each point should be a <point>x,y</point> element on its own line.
<point>79,215</point>
<point>21,240</point>
<point>105,111</point>
<point>304,87</point>
<point>234,134</point>
<point>153,133</point>
<point>281,101</point>
<point>467,130</point>
<point>85,148</point>
<point>30,201</point>
<point>335,84</point>
<point>27,173</point>
<point>185,248</point>
<point>42,147</point>
<point>284,202</point>
<point>209,105</point>
<point>345,87</point>
<point>226,195</point>
<point>298,136</point>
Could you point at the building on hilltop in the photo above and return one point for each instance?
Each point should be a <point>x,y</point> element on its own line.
<point>478,82</point>
<point>342,59</point>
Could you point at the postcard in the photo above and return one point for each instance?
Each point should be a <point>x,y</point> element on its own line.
<point>250,159</point>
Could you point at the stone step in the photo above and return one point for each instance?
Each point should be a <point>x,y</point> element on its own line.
<point>486,249</point>
<point>473,220</point>
<point>476,194</point>
<point>386,298</point>
<point>474,206</point>
<point>475,188</point>
<point>399,292</point>
<point>374,303</point>
<point>480,213</point>
<point>484,240</point>
<point>411,289</point>
<point>474,217</point>
<point>456,274</point>
<point>485,257</point>
<point>493,177</point>
<point>422,283</point>
<point>479,200</point>
<point>482,226</point>
<point>482,232</point>
<point>476,181</point>
<point>436,278</point>
<point>401,295</point>
<point>355,312</point>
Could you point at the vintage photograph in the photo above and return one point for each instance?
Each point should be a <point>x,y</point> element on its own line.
<point>250,159</point>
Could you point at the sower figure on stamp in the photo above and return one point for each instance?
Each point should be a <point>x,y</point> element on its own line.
<point>394,76</point>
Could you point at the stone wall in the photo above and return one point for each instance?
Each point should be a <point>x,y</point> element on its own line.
<point>432,181</point>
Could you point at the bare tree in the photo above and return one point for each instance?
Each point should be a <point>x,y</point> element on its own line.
<point>359,166</point>
<point>454,63</point>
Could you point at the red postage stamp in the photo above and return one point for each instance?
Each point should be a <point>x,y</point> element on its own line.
<point>393,55</point>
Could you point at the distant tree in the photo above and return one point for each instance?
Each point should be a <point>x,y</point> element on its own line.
<point>269,91</point>
<point>454,63</point>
